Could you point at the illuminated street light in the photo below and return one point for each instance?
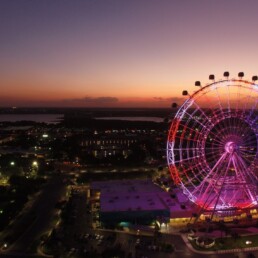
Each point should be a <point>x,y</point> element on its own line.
<point>34,169</point>
<point>35,163</point>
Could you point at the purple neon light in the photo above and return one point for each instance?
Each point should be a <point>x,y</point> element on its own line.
<point>212,146</point>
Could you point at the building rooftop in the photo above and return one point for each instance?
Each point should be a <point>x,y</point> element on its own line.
<point>132,202</point>
<point>126,187</point>
<point>139,195</point>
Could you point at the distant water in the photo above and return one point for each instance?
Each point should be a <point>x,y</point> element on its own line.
<point>136,118</point>
<point>39,118</point>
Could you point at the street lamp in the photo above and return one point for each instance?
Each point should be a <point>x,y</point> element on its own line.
<point>35,163</point>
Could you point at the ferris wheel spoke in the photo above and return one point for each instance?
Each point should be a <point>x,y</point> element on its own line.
<point>241,165</point>
<point>242,172</point>
<point>208,119</point>
<point>228,100</point>
<point>248,160</point>
<point>210,194</point>
<point>182,160</point>
<point>202,170</point>
<point>216,140</point>
<point>251,143</point>
<point>193,150</point>
<point>241,127</point>
<point>214,171</point>
<point>248,157</point>
<point>198,134</point>
<point>254,106</point>
<point>244,182</point>
<point>221,187</point>
<point>252,109</point>
<point>238,98</point>
<point>186,130</point>
<point>198,122</point>
<point>208,199</point>
<point>214,147</point>
<point>248,150</point>
<point>219,102</point>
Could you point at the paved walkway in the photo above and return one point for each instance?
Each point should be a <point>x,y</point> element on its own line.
<point>217,234</point>
<point>214,234</point>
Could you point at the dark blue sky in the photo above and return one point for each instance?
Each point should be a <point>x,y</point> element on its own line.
<point>134,52</point>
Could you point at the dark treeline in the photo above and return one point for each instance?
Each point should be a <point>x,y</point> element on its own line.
<point>92,112</point>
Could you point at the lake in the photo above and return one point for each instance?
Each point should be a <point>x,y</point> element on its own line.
<point>145,118</point>
<point>39,118</point>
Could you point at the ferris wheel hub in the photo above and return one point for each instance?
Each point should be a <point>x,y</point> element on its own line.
<point>231,147</point>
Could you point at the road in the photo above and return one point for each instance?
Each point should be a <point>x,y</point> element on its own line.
<point>43,210</point>
<point>128,243</point>
<point>182,251</point>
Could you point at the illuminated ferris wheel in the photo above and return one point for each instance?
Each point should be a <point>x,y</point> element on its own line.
<point>212,147</point>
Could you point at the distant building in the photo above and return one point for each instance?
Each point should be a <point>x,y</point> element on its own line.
<point>105,145</point>
<point>6,139</point>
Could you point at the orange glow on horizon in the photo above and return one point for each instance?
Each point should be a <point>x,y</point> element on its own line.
<point>126,53</point>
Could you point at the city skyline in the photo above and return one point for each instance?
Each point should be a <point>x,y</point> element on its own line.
<point>120,53</point>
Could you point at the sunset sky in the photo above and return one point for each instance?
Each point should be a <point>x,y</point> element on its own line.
<point>121,53</point>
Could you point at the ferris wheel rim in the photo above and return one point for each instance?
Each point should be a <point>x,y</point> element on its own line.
<point>178,118</point>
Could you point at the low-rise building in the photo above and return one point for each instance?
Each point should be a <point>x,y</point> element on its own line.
<point>135,201</point>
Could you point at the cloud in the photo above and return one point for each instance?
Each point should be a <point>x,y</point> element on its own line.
<point>98,100</point>
<point>172,99</point>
